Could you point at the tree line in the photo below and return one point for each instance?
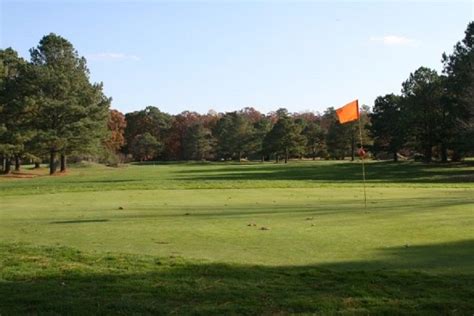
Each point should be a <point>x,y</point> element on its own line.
<point>50,111</point>
<point>150,134</point>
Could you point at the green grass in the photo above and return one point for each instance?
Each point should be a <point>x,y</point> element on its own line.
<point>175,238</point>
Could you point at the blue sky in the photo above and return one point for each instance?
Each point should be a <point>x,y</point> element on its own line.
<point>226,55</point>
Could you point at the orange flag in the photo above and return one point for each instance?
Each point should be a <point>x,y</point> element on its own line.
<point>349,112</point>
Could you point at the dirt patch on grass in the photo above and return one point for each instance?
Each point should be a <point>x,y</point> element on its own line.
<point>21,175</point>
<point>30,175</point>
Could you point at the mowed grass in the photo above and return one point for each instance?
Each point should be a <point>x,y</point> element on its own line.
<point>248,238</point>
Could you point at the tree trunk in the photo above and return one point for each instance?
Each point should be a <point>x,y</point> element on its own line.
<point>37,165</point>
<point>2,161</point>
<point>444,153</point>
<point>428,154</point>
<point>277,158</point>
<point>63,163</point>
<point>352,147</point>
<point>263,158</point>
<point>240,156</point>
<point>456,157</point>
<point>52,162</point>
<point>286,155</point>
<point>314,153</point>
<point>17,163</point>
<point>8,165</point>
<point>395,156</point>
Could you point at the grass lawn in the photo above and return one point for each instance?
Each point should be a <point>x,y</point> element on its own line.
<point>250,238</point>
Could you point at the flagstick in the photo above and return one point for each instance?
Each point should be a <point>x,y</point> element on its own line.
<point>363,165</point>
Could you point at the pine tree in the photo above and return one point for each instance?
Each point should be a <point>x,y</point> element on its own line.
<point>285,138</point>
<point>234,136</point>
<point>15,108</point>
<point>338,136</point>
<point>198,143</point>
<point>71,113</point>
<point>422,93</point>
<point>458,101</point>
<point>387,126</point>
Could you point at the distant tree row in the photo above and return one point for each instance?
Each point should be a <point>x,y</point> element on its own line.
<point>434,115</point>
<point>246,134</point>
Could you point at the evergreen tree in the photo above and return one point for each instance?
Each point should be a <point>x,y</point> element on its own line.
<point>198,143</point>
<point>145,147</point>
<point>387,126</point>
<point>422,94</point>
<point>261,128</point>
<point>15,108</point>
<point>70,112</point>
<point>458,102</point>
<point>338,136</point>
<point>285,138</point>
<point>234,136</point>
<point>314,138</point>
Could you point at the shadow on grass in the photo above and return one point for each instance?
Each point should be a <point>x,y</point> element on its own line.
<point>376,172</point>
<point>427,279</point>
<point>81,221</point>
<point>112,181</point>
<point>172,162</point>
<point>384,206</point>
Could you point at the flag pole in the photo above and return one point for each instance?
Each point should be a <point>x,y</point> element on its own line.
<point>362,159</point>
<point>350,113</point>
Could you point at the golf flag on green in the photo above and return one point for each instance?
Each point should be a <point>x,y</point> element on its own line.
<point>349,112</point>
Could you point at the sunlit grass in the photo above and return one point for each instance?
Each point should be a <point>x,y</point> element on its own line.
<point>223,237</point>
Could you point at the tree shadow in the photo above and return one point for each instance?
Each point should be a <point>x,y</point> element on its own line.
<point>393,207</point>
<point>172,162</point>
<point>411,172</point>
<point>106,181</point>
<point>80,221</point>
<point>424,279</point>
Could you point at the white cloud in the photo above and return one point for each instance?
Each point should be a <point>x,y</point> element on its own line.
<point>394,40</point>
<point>111,57</point>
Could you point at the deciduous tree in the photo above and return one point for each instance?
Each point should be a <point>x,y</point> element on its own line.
<point>145,147</point>
<point>116,126</point>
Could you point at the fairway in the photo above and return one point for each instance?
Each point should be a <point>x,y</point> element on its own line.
<point>266,220</point>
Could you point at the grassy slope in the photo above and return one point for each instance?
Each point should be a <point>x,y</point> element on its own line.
<point>189,248</point>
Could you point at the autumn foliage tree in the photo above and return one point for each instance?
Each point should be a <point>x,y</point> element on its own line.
<point>116,125</point>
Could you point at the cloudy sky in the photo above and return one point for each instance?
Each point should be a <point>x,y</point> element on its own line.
<point>225,55</point>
